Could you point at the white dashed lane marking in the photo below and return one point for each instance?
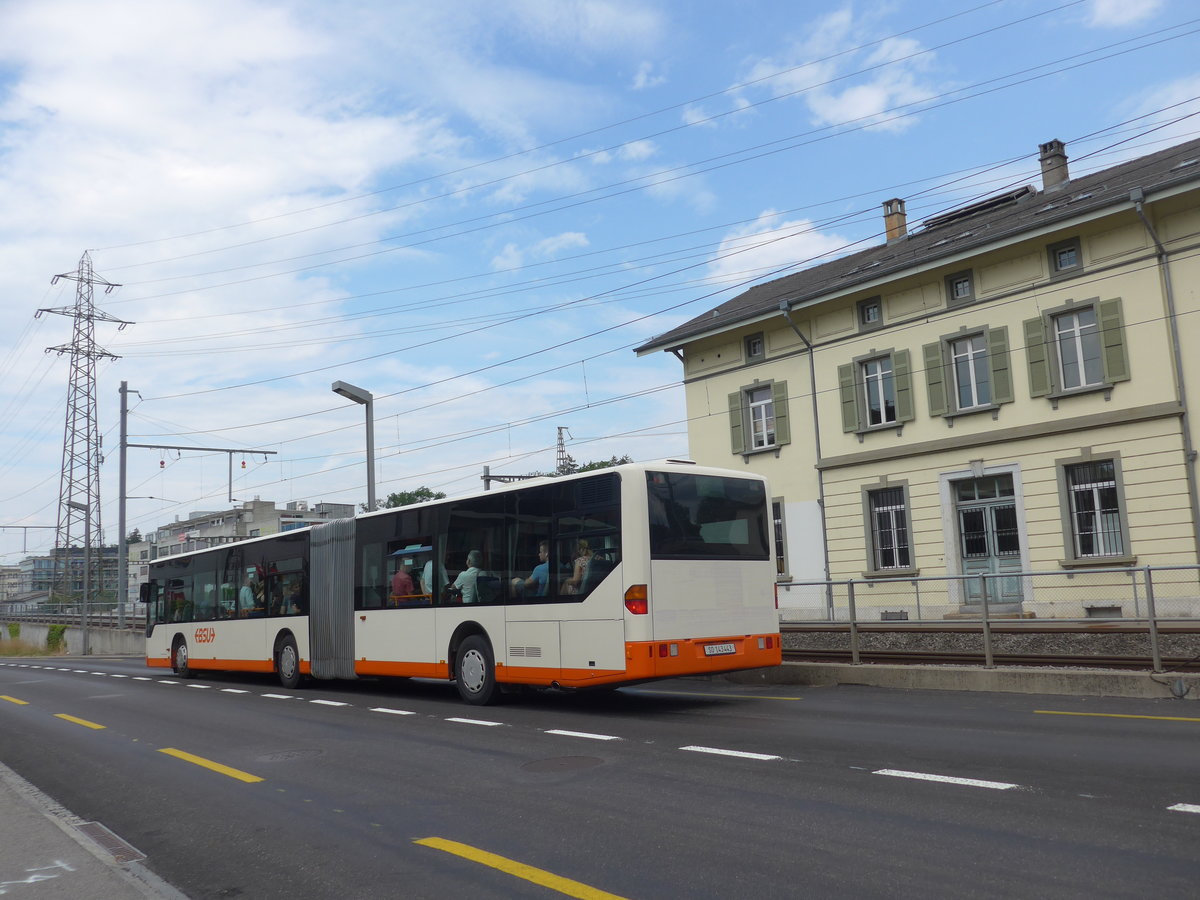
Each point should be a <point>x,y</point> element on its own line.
<point>392,712</point>
<point>584,734</point>
<point>473,721</point>
<point>741,754</point>
<point>1185,807</point>
<point>948,779</point>
<point>328,703</point>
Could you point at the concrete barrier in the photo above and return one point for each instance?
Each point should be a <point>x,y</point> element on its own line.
<point>103,641</point>
<point>1013,679</point>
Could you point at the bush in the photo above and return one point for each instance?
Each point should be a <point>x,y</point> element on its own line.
<point>56,638</point>
<point>14,630</point>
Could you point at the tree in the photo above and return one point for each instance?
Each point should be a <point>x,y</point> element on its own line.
<point>407,498</point>
<point>133,537</point>
<point>604,463</point>
<point>570,467</point>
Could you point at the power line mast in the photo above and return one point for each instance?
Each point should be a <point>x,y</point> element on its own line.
<point>563,461</point>
<point>79,485</point>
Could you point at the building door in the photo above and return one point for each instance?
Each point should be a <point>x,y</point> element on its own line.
<point>989,538</point>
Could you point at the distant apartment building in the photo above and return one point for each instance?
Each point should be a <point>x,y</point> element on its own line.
<point>254,518</point>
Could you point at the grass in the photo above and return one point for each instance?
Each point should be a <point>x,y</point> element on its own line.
<point>23,648</point>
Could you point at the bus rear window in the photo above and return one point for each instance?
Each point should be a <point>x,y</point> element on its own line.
<point>706,517</point>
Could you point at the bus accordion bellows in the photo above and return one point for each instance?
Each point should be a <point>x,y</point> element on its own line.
<point>622,575</point>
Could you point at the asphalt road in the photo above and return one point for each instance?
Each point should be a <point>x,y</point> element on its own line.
<point>696,789</point>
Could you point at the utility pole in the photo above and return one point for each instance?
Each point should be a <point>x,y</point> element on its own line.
<point>79,484</point>
<point>123,547</point>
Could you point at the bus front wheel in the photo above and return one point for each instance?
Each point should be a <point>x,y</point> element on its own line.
<point>474,671</point>
<point>288,664</point>
<point>179,659</point>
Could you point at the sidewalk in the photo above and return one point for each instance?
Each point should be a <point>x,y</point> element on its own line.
<point>44,854</point>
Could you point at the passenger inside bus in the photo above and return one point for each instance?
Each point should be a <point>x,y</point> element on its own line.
<point>583,558</point>
<point>465,588</point>
<point>538,582</point>
<point>248,601</point>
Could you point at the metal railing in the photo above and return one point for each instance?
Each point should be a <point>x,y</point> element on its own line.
<point>1143,596</point>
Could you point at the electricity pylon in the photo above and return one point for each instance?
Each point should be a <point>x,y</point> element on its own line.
<point>79,484</point>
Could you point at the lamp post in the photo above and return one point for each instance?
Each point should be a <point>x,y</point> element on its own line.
<point>366,398</point>
<point>87,568</point>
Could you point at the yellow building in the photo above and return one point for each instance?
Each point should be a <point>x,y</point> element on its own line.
<point>1003,389</point>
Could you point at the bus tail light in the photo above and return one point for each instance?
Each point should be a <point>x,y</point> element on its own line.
<point>637,599</point>
<point>766,643</point>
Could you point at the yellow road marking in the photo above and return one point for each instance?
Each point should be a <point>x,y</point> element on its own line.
<point>14,700</point>
<point>84,722</point>
<point>209,764</point>
<point>519,870</point>
<point>723,696</point>
<point>1056,712</point>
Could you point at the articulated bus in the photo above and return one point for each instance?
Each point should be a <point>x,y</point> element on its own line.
<point>605,578</point>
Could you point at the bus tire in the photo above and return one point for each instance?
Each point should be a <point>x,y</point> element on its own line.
<point>287,664</point>
<point>475,671</point>
<point>179,659</point>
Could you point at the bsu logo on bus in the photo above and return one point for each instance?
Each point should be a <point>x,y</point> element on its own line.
<point>206,635</point>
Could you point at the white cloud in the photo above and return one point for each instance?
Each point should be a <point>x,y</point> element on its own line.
<point>553,246</point>
<point>638,150</point>
<point>646,77</point>
<point>821,69</point>
<point>770,243</point>
<point>1118,13</point>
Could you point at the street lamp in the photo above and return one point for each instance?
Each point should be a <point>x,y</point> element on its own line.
<point>358,395</point>
<point>87,567</point>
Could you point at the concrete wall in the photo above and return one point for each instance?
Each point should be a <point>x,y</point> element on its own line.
<point>103,641</point>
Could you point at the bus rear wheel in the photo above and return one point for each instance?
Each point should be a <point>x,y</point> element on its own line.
<point>288,664</point>
<point>475,672</point>
<point>179,659</point>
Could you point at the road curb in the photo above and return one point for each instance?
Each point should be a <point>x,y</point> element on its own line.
<point>24,819</point>
<point>1020,680</point>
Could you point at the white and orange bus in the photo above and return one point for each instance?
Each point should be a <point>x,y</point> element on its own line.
<point>623,575</point>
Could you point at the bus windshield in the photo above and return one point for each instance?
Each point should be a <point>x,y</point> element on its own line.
<point>706,517</point>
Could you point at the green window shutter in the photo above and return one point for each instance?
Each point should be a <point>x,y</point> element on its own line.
<point>737,439</point>
<point>779,399</point>
<point>848,386</point>
<point>1039,359</point>
<point>1112,337</point>
<point>902,370</point>
<point>1002,386</point>
<point>935,378</point>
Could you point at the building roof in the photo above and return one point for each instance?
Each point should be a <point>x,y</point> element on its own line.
<point>986,222</point>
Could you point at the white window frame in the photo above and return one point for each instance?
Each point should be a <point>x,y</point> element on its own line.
<point>761,415</point>
<point>879,379</point>
<point>1079,337</point>
<point>973,351</point>
<point>896,528</point>
<point>1106,541</point>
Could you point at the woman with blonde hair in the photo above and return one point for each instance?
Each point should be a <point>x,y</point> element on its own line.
<point>583,556</point>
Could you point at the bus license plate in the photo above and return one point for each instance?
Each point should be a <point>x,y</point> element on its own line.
<point>719,649</point>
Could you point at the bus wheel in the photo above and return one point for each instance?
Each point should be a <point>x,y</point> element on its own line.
<point>474,672</point>
<point>179,659</point>
<point>288,664</point>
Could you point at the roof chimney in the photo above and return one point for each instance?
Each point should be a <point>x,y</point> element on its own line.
<point>895,221</point>
<point>1054,165</point>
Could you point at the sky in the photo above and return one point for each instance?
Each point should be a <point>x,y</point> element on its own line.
<point>476,210</point>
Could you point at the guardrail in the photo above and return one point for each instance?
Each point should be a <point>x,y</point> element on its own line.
<point>1138,596</point>
<point>95,620</point>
